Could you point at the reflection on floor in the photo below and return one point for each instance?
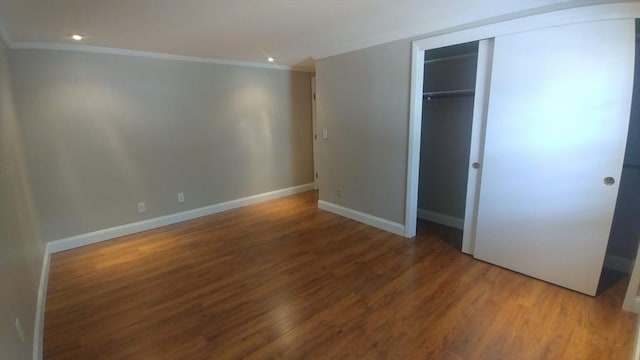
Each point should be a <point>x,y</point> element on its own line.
<point>282,279</point>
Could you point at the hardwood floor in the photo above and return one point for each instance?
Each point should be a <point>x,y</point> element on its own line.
<point>283,279</point>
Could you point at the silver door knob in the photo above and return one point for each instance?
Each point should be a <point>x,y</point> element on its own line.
<point>609,181</point>
<point>475,165</point>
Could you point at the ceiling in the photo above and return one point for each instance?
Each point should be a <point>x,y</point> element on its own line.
<point>294,32</point>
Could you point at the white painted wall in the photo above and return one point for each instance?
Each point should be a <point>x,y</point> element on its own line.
<point>21,251</point>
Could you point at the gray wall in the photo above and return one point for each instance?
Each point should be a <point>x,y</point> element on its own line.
<point>363,102</point>
<point>21,252</point>
<point>104,132</point>
<point>444,155</point>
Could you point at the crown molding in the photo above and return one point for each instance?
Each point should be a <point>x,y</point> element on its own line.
<point>147,54</point>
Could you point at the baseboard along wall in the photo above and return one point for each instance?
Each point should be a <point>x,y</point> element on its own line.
<point>618,263</point>
<point>439,218</point>
<point>132,228</point>
<point>613,262</point>
<point>365,218</point>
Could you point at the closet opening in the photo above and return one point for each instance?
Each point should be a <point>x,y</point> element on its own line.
<point>447,117</point>
<point>525,182</point>
<point>625,228</point>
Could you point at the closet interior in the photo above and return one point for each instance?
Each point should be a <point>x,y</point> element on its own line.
<point>447,115</point>
<point>625,229</point>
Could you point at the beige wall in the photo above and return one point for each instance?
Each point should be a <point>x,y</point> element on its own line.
<point>104,132</point>
<point>363,102</point>
<point>21,251</point>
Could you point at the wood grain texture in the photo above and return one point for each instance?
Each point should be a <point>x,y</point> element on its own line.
<point>282,279</point>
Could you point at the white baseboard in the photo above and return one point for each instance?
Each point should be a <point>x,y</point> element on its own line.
<point>127,229</point>
<point>375,221</point>
<point>618,263</point>
<point>439,218</point>
<point>38,329</point>
<point>132,228</point>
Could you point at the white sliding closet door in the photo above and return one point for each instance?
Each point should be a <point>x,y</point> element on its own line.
<point>557,123</point>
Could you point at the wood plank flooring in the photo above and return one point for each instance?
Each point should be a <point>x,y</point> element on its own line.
<point>282,279</point>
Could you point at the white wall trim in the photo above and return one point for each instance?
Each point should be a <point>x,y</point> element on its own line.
<point>440,218</point>
<point>598,12</point>
<point>413,148</point>
<point>38,328</point>
<point>618,263</point>
<point>131,228</point>
<point>374,221</point>
<point>147,54</point>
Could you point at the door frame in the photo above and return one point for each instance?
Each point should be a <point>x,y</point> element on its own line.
<point>480,102</point>
<point>314,130</point>
<point>532,22</point>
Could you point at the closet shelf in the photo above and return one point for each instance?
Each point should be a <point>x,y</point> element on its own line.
<point>450,93</point>
<point>454,57</point>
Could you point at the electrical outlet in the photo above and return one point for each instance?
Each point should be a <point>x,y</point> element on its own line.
<point>180,197</point>
<point>142,207</point>
<point>19,329</point>
<point>339,193</point>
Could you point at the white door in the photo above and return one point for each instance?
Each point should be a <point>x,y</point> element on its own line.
<point>557,124</point>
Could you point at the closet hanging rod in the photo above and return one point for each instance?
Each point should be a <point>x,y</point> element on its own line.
<point>453,57</point>
<point>449,93</point>
<point>631,166</point>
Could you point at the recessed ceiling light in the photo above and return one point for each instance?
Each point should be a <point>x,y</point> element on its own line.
<point>76,37</point>
<point>270,59</point>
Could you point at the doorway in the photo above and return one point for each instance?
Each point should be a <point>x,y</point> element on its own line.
<point>447,116</point>
<point>314,126</point>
